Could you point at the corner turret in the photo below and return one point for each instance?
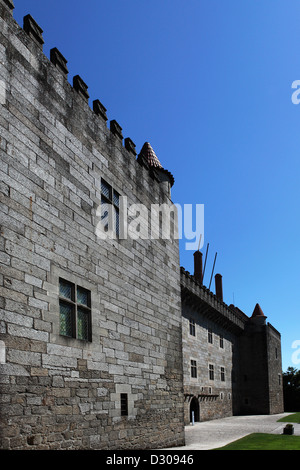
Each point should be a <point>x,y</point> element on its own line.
<point>258,317</point>
<point>148,158</point>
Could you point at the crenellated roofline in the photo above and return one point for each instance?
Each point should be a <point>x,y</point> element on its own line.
<point>35,33</point>
<point>208,304</point>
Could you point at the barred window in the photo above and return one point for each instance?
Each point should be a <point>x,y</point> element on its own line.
<point>110,208</point>
<point>193,368</point>
<point>210,335</point>
<point>74,310</point>
<point>192,327</point>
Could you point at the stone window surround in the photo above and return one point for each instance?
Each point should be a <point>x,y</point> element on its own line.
<point>131,398</point>
<point>210,335</point>
<point>192,327</point>
<point>195,367</point>
<point>211,372</point>
<point>74,303</point>
<point>111,229</point>
<point>52,286</point>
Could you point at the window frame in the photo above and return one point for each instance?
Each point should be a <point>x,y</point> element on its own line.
<point>192,327</point>
<point>210,335</point>
<point>194,372</point>
<point>211,372</point>
<point>76,308</point>
<point>114,211</point>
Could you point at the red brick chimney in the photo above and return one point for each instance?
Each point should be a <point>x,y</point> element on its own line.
<point>219,286</point>
<point>198,275</point>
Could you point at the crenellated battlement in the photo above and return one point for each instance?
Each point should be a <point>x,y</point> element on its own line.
<point>56,59</point>
<point>195,292</point>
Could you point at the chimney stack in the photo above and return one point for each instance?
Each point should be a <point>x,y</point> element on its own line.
<point>219,286</point>
<point>198,266</point>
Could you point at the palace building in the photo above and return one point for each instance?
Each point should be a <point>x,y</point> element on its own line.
<point>105,342</point>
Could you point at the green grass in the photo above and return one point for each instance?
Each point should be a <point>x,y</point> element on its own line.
<point>293,418</point>
<point>260,441</point>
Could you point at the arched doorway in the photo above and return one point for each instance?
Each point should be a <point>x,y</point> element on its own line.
<point>194,408</point>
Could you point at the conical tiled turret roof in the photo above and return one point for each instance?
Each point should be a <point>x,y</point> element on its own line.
<point>148,158</point>
<point>257,312</point>
<point>149,155</point>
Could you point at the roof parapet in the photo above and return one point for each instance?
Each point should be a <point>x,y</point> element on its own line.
<point>99,109</point>
<point>59,61</point>
<point>33,30</point>
<point>192,289</point>
<point>116,129</point>
<point>81,87</point>
<point>9,4</point>
<point>129,145</point>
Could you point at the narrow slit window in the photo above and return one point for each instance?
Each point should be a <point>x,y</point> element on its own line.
<point>211,372</point>
<point>124,404</point>
<point>110,208</point>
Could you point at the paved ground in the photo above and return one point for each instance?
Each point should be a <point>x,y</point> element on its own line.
<point>219,432</point>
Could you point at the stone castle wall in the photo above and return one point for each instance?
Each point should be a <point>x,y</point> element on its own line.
<point>231,362</point>
<point>60,392</point>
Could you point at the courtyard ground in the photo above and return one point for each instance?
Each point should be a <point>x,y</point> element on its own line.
<point>219,432</point>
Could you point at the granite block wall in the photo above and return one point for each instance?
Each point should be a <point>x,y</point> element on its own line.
<point>214,391</point>
<point>60,391</point>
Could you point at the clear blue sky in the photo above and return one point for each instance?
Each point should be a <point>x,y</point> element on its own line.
<point>208,84</point>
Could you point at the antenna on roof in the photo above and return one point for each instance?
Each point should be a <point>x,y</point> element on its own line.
<point>213,269</point>
<point>199,241</point>
<point>205,259</point>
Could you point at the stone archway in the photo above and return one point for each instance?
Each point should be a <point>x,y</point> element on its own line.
<point>194,408</point>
